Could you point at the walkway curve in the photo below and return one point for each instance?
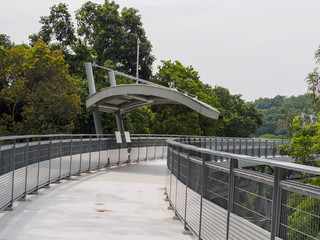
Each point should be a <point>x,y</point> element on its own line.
<point>124,202</point>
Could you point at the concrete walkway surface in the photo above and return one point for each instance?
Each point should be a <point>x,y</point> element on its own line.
<point>125,202</point>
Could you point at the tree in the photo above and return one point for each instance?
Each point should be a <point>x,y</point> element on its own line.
<point>5,41</point>
<point>39,95</point>
<point>278,113</point>
<point>238,118</point>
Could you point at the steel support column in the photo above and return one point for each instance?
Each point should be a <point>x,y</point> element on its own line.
<point>92,90</point>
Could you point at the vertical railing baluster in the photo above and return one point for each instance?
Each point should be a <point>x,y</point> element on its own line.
<point>266,149</point>
<point>60,153</point>
<point>90,150</point>
<point>155,146</point>
<point>233,165</point>
<point>99,149</point>
<point>163,146</point>
<point>71,152</point>
<point>80,160</point>
<point>147,143</point>
<point>138,149</point>
<point>259,148</point>
<point>246,152</point>
<point>205,158</point>
<point>50,157</point>
<point>279,174</point>
<point>253,147</point>
<point>26,163</point>
<point>38,160</point>
<point>187,185</point>
<point>13,159</point>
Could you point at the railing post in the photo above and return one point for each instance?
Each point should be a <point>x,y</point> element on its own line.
<point>266,149</point>
<point>50,157</point>
<point>252,147</point>
<point>60,153</point>
<point>99,148</point>
<point>259,148</point>
<point>279,174</point>
<point>205,158</point>
<point>71,145</point>
<point>274,148</point>
<point>246,152</point>
<point>138,149</point>
<point>227,144</point>
<point>38,159</point>
<point>147,143</point>
<point>26,162</point>
<point>187,185</point>
<point>163,142</point>
<point>234,145</point>
<point>240,146</point>
<point>90,149</point>
<point>13,157</point>
<point>80,163</point>
<point>233,165</point>
<point>155,147</point>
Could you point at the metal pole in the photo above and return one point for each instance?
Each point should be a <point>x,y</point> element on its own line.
<point>90,149</point>
<point>99,147</point>
<point>70,156</point>
<point>119,122</point>
<point>112,78</point>
<point>80,164</point>
<point>38,158</point>
<point>233,165</point>
<point>13,156</point>
<point>60,152</point>
<point>279,174</point>
<point>26,162</point>
<point>50,156</point>
<point>92,90</point>
<point>137,71</point>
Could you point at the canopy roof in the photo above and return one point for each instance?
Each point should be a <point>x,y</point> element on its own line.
<point>127,97</point>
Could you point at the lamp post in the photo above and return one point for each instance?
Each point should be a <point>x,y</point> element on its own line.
<point>137,71</point>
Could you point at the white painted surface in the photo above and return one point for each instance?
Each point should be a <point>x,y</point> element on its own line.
<point>121,203</point>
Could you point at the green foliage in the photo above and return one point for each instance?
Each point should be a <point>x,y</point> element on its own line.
<point>272,136</point>
<point>238,118</point>
<point>5,41</point>
<point>304,146</point>
<point>278,113</point>
<point>304,219</point>
<point>38,94</point>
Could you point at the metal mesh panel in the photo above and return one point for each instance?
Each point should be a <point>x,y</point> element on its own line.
<point>19,182</point>
<point>32,177</point>
<point>253,202</point>
<point>217,187</point>
<point>5,189</point>
<point>181,197</point>
<point>300,216</point>
<point>193,210</point>
<point>214,224</point>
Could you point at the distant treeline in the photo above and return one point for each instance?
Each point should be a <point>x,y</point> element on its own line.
<point>278,113</point>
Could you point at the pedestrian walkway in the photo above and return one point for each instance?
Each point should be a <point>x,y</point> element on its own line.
<point>124,202</point>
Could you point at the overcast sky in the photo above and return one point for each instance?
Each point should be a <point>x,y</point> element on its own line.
<point>252,47</point>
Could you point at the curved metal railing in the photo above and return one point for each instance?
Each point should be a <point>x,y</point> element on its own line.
<point>28,163</point>
<point>221,195</point>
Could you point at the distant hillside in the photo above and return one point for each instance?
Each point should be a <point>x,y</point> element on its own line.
<point>279,111</point>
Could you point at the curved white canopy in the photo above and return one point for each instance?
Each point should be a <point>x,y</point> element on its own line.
<point>127,97</point>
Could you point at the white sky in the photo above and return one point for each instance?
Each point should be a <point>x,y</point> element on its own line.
<point>257,48</point>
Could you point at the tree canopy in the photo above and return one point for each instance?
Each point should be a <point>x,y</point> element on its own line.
<point>278,113</point>
<point>108,36</point>
<point>37,94</point>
